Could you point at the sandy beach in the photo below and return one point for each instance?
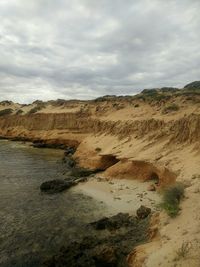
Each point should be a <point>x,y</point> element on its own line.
<point>120,195</point>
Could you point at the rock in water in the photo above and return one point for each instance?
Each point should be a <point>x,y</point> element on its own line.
<point>143,212</point>
<point>102,248</point>
<point>114,222</point>
<point>56,186</point>
<point>105,255</point>
<point>88,253</point>
<point>69,151</point>
<point>69,162</point>
<point>80,172</point>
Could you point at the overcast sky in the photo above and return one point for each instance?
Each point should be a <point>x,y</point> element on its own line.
<point>82,49</point>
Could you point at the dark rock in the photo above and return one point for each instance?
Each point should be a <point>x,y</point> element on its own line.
<point>105,256</point>
<point>76,180</point>
<point>69,151</point>
<point>39,144</point>
<point>102,249</point>
<point>3,138</point>
<point>143,212</point>
<point>69,162</point>
<point>80,172</point>
<point>56,186</point>
<point>44,144</point>
<point>19,138</point>
<point>90,252</point>
<point>114,222</point>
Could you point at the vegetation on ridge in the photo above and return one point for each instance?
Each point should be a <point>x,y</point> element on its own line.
<point>170,108</point>
<point>6,111</point>
<point>37,108</point>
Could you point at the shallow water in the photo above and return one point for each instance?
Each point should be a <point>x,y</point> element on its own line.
<point>33,224</point>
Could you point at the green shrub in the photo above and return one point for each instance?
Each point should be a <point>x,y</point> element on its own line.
<point>174,193</point>
<point>170,108</point>
<point>6,111</point>
<point>150,92</point>
<point>171,199</point>
<point>183,251</point>
<point>160,97</point>
<point>153,95</point>
<point>36,109</point>
<point>193,85</point>
<point>19,112</point>
<point>33,110</point>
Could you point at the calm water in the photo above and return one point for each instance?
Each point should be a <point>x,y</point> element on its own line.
<point>32,224</point>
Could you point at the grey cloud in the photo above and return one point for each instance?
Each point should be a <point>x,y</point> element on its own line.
<point>87,48</point>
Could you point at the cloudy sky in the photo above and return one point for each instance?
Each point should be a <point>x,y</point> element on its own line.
<point>82,49</point>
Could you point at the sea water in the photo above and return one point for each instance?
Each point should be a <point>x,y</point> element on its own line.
<point>34,225</point>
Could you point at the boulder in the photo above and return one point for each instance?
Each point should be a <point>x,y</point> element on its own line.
<point>114,222</point>
<point>56,186</point>
<point>69,151</point>
<point>80,172</point>
<point>102,249</point>
<point>105,256</point>
<point>69,162</point>
<point>87,253</point>
<point>45,144</point>
<point>143,212</point>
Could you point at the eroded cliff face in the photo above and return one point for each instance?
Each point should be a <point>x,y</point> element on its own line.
<point>183,130</point>
<point>96,133</point>
<point>131,149</point>
<point>154,115</point>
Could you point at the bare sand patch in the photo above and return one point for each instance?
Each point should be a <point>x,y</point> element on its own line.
<point>120,195</point>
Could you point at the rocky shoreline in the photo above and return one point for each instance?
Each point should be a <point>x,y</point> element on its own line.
<point>73,174</point>
<point>107,242</point>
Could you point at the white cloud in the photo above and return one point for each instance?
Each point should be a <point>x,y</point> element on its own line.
<point>87,48</point>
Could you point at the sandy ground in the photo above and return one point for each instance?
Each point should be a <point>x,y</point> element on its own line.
<point>120,195</point>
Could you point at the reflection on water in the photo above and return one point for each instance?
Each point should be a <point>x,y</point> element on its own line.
<point>33,224</point>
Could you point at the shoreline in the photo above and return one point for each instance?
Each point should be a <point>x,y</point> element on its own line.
<point>120,195</point>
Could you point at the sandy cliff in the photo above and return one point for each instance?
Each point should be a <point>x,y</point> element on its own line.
<point>156,133</point>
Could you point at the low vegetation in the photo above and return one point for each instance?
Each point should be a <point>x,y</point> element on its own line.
<point>6,111</point>
<point>33,110</point>
<point>183,251</point>
<point>98,149</point>
<point>171,199</point>
<point>19,112</point>
<point>154,95</point>
<point>193,85</point>
<point>36,108</point>
<point>170,108</point>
